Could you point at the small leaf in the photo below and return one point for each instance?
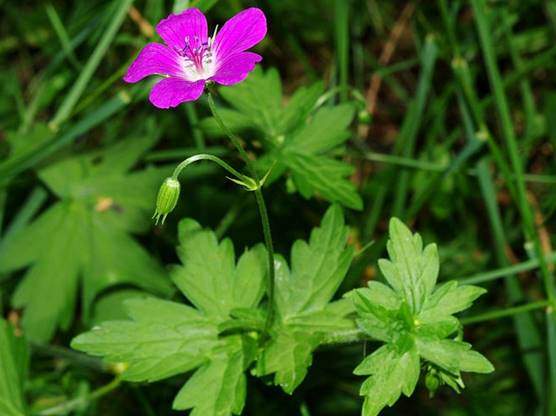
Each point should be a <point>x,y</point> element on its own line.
<point>453,356</point>
<point>411,271</point>
<point>288,355</point>
<point>392,373</point>
<point>412,316</point>
<point>449,299</point>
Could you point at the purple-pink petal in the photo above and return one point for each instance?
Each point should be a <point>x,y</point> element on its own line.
<point>236,68</point>
<point>240,33</point>
<point>154,58</point>
<point>171,92</point>
<point>190,24</point>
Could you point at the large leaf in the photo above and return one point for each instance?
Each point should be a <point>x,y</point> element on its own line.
<point>165,338</point>
<point>391,372</point>
<point>82,240</point>
<point>303,295</point>
<point>414,319</point>
<point>301,140</point>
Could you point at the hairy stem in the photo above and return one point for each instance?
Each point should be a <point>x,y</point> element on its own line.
<point>212,158</point>
<point>236,141</point>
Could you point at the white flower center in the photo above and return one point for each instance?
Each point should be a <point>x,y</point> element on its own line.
<point>198,61</point>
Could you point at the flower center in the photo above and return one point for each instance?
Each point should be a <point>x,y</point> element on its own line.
<point>198,58</point>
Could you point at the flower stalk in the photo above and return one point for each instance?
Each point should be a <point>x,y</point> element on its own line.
<point>169,192</point>
<point>263,213</point>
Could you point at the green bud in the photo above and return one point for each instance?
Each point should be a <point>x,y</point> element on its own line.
<point>167,199</point>
<point>432,382</point>
<point>364,117</point>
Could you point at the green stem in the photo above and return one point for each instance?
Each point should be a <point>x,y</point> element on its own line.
<point>503,313</point>
<point>345,337</point>
<point>66,407</point>
<point>204,156</point>
<point>509,271</point>
<point>236,141</point>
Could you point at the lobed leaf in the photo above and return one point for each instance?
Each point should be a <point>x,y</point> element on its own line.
<point>164,338</point>
<point>450,298</point>
<point>392,373</point>
<point>413,318</point>
<point>301,140</point>
<point>82,240</point>
<point>411,271</point>
<point>453,356</point>
<point>303,295</point>
<point>209,276</point>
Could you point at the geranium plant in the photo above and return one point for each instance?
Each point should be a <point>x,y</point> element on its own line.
<point>262,315</point>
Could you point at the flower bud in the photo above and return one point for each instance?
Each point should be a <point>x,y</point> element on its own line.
<point>167,199</point>
<point>432,382</point>
<point>364,117</point>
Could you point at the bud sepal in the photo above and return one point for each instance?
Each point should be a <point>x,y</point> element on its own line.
<point>167,199</point>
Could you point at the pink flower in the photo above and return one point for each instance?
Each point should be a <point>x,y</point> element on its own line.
<point>190,58</point>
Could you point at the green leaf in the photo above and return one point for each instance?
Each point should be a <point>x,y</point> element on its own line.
<point>288,355</point>
<point>449,299</point>
<point>209,276</point>
<point>318,268</point>
<point>321,176</point>
<point>411,271</point>
<point>13,371</point>
<point>222,378</point>
<point>83,239</point>
<point>165,338</point>
<point>413,318</point>
<point>453,356</point>
<point>303,295</point>
<point>300,139</point>
<point>378,308</point>
<point>392,373</point>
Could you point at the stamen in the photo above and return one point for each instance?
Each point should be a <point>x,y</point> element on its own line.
<point>198,58</point>
<point>211,39</point>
